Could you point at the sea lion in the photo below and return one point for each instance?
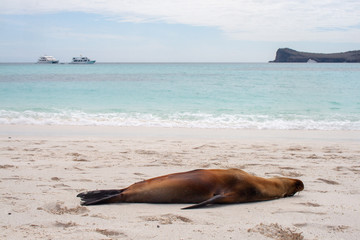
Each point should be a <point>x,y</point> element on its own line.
<point>201,187</point>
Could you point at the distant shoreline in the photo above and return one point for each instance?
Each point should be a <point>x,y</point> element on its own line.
<point>104,63</point>
<point>142,63</point>
<point>287,55</point>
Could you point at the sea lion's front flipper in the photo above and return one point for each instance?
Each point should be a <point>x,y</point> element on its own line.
<point>206,202</point>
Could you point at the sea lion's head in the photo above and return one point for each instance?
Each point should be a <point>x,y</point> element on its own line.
<point>293,186</point>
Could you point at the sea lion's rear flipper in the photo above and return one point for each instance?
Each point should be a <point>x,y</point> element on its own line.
<point>214,199</point>
<point>99,196</point>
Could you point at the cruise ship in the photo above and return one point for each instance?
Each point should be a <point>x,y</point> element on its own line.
<point>82,60</point>
<point>48,60</point>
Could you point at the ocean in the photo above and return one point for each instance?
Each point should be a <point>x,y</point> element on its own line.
<point>186,95</point>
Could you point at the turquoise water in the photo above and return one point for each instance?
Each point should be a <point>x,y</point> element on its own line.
<point>200,95</point>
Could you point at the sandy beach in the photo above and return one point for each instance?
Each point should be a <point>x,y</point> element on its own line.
<point>43,168</point>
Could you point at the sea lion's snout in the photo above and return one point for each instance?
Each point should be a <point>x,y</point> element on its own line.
<point>295,186</point>
<point>299,186</point>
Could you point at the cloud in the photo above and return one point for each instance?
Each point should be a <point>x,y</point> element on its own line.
<point>257,20</point>
<point>68,33</point>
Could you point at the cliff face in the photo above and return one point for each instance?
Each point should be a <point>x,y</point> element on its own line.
<point>290,55</point>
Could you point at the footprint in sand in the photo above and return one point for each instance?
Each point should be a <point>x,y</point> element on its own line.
<point>167,219</point>
<point>110,233</point>
<point>331,182</point>
<point>276,231</point>
<point>58,208</point>
<point>309,204</point>
<point>65,225</point>
<point>6,166</point>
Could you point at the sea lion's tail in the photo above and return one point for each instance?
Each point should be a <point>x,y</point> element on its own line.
<point>100,196</point>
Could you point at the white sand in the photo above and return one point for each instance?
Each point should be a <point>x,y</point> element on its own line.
<point>42,168</point>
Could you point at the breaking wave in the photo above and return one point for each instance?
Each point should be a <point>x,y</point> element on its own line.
<point>182,120</point>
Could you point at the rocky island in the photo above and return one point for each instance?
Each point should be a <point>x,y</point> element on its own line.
<point>284,55</point>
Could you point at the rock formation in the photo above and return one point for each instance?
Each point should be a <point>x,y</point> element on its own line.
<point>290,55</point>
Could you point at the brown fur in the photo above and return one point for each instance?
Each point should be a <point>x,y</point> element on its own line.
<point>201,187</point>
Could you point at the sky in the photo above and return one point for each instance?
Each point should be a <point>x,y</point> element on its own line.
<point>175,30</point>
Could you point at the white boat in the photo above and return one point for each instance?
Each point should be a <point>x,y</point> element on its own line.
<point>311,61</point>
<point>47,59</point>
<point>82,60</point>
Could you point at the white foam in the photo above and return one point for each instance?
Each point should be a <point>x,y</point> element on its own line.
<point>184,120</point>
